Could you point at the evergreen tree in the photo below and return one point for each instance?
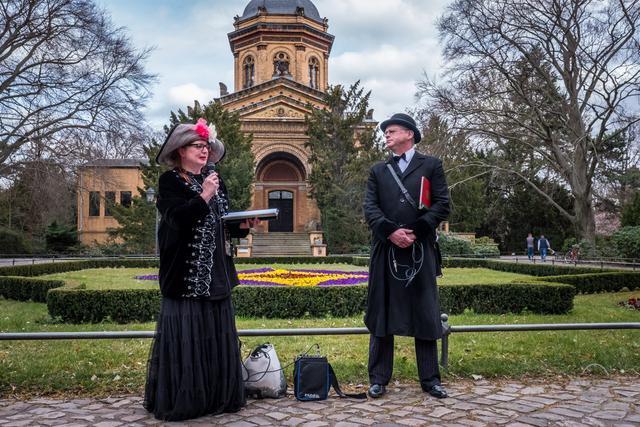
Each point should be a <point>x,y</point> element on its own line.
<point>631,212</point>
<point>61,238</point>
<point>342,149</point>
<point>514,209</point>
<point>237,169</point>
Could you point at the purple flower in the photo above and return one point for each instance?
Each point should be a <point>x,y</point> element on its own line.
<point>351,273</point>
<point>347,281</point>
<point>148,277</point>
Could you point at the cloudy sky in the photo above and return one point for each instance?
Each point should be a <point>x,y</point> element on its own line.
<point>387,44</point>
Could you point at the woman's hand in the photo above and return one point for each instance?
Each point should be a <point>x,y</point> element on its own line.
<point>250,223</point>
<point>210,187</point>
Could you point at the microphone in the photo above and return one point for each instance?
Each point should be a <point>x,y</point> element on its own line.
<point>209,168</point>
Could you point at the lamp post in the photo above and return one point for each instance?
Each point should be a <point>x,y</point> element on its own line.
<point>151,197</point>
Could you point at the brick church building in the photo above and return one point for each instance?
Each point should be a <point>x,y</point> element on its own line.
<point>281,54</point>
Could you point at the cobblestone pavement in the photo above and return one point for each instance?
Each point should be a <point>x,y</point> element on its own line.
<point>591,402</point>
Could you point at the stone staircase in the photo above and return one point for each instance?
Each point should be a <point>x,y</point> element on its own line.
<point>281,244</point>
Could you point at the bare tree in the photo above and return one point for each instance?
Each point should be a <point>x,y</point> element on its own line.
<point>66,75</point>
<point>555,78</point>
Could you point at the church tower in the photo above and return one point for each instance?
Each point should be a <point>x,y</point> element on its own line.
<point>281,53</point>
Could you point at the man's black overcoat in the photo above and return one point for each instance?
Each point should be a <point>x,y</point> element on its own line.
<point>392,307</point>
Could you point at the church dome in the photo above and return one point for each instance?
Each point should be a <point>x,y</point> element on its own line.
<point>281,7</point>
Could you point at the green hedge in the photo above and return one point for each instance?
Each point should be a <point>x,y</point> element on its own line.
<point>600,282</point>
<point>361,261</point>
<point>539,298</point>
<point>74,305</point>
<point>486,250</point>
<point>537,269</point>
<point>290,302</point>
<point>25,289</point>
<point>142,305</point>
<point>531,269</point>
<point>542,269</point>
<point>64,266</point>
<point>94,306</point>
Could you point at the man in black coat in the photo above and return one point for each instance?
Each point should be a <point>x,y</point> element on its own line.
<point>403,296</point>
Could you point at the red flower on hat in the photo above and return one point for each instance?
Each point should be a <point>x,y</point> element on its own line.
<point>201,129</point>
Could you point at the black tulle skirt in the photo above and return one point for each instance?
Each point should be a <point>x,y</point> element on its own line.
<point>194,367</point>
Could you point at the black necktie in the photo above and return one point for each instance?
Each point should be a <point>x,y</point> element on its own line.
<point>401,156</point>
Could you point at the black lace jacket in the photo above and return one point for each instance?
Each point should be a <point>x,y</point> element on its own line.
<point>191,238</point>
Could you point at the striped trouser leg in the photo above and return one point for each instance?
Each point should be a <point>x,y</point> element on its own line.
<point>380,359</point>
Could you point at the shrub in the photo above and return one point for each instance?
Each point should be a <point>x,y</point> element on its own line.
<point>631,212</point>
<point>142,305</point>
<point>486,250</point>
<point>12,242</point>
<point>541,269</point>
<point>25,289</point>
<point>450,245</point>
<point>568,243</point>
<point>530,269</point>
<point>540,298</point>
<point>288,302</point>
<point>61,238</point>
<point>360,261</point>
<point>94,306</point>
<point>627,242</point>
<point>449,262</point>
<point>64,266</point>
<point>606,247</point>
<point>599,282</point>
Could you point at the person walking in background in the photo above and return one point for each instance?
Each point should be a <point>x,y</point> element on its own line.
<point>402,295</point>
<point>194,368</point>
<point>543,247</point>
<point>530,246</point>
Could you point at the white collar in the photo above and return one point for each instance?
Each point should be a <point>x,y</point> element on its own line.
<point>408,155</point>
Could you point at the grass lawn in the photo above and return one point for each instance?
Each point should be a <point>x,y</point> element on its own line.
<point>105,367</point>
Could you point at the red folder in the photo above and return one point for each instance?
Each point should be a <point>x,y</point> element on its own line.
<point>425,193</point>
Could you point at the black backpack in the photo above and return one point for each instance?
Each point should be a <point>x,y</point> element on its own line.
<point>313,377</point>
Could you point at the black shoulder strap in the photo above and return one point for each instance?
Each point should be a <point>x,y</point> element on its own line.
<point>336,387</point>
<point>404,190</point>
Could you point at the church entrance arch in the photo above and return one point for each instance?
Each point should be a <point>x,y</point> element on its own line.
<point>281,184</point>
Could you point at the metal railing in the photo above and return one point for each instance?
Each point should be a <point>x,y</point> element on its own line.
<point>444,356</point>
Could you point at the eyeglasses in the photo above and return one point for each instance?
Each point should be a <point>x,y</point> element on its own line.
<point>198,146</point>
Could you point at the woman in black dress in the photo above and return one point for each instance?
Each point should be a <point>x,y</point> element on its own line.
<point>194,367</point>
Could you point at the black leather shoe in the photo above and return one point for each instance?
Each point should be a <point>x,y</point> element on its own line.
<point>437,391</point>
<point>376,390</point>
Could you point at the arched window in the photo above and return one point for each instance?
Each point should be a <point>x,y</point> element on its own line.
<point>281,65</point>
<point>314,73</point>
<point>248,72</point>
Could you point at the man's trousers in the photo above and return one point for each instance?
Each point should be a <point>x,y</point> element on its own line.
<point>381,361</point>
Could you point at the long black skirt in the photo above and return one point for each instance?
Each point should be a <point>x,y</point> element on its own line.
<point>194,367</point>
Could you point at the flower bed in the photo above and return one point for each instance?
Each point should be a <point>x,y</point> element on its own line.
<point>298,278</point>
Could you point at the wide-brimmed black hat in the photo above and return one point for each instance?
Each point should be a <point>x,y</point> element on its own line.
<point>403,120</point>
